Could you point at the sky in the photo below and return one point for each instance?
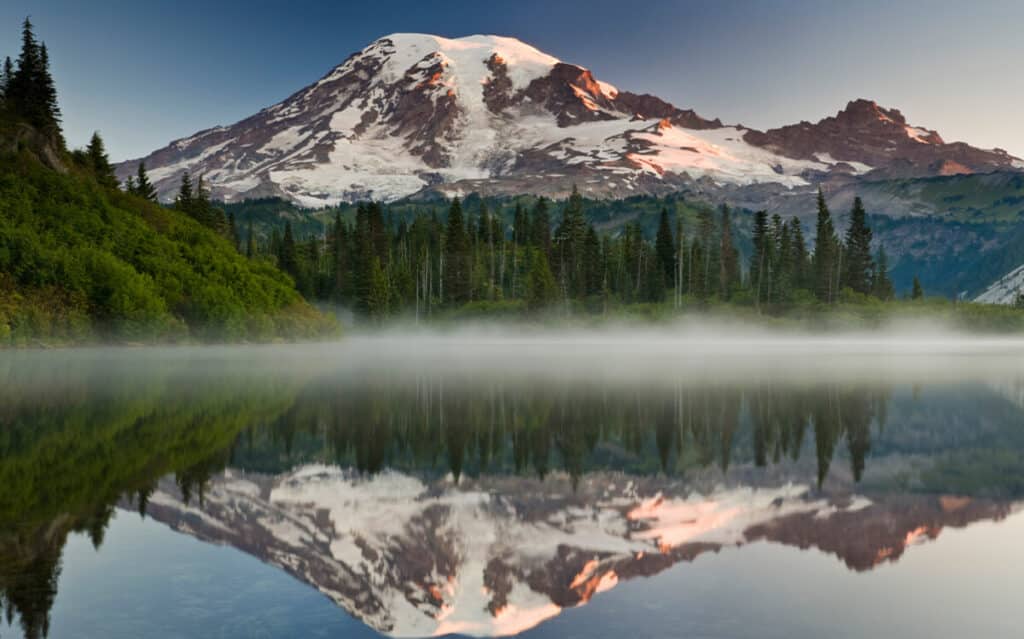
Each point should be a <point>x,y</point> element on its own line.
<point>145,73</point>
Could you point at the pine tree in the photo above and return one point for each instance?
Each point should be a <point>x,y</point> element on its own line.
<point>129,186</point>
<point>665,249</point>
<point>183,202</point>
<point>824,253</point>
<point>250,245</point>
<point>49,110</point>
<point>22,89</point>
<point>236,241</point>
<point>288,260</point>
<point>882,287</point>
<point>858,265</point>
<point>593,263</point>
<point>6,74</point>
<point>916,292</point>
<point>569,238</point>
<point>540,227</point>
<point>457,257</point>
<point>541,289</point>
<point>729,272</point>
<point>143,187</point>
<point>377,303</point>
<point>760,258</point>
<point>798,257</point>
<point>96,153</point>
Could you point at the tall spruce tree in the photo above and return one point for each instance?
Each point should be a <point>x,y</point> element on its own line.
<point>288,259</point>
<point>916,292</point>
<point>798,260</point>
<point>183,201</point>
<point>457,276</point>
<point>760,258</point>
<point>99,162</point>
<point>857,262</point>
<point>6,73</point>
<point>143,187</point>
<point>30,90</point>
<point>882,287</point>
<point>665,249</point>
<point>729,260</point>
<point>825,253</point>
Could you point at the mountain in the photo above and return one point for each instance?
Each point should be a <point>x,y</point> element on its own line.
<point>495,556</point>
<point>420,114</point>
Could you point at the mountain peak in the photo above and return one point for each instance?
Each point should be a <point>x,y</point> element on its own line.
<point>415,112</point>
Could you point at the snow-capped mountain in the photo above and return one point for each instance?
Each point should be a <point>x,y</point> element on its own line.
<point>494,556</point>
<point>413,113</point>
<point>1005,290</point>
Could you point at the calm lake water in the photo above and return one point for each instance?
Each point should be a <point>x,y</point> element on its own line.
<point>586,485</point>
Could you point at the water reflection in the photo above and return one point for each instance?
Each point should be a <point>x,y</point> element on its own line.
<point>430,501</point>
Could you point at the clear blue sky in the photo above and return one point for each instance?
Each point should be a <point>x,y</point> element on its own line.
<point>149,71</point>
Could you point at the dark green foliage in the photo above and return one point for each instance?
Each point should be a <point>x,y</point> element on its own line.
<point>541,289</point>
<point>29,91</point>
<point>729,271</point>
<point>916,292</point>
<point>99,162</point>
<point>665,248</point>
<point>143,187</point>
<point>826,255</point>
<point>78,260</point>
<point>882,286</point>
<point>761,258</point>
<point>858,267</point>
<point>456,266</point>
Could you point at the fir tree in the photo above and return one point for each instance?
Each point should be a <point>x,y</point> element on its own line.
<point>760,258</point>
<point>825,257</point>
<point>540,227</point>
<point>49,110</point>
<point>729,271</point>
<point>541,289</point>
<point>288,259</point>
<point>882,287</point>
<point>250,245</point>
<point>916,291</point>
<point>593,263</point>
<point>129,186</point>
<point>858,265</point>
<point>6,74</point>
<point>457,257</point>
<point>143,187</point>
<point>96,153</point>
<point>183,201</point>
<point>798,257</point>
<point>665,249</point>
<point>377,303</point>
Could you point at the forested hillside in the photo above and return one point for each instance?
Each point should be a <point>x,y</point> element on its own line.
<point>80,260</point>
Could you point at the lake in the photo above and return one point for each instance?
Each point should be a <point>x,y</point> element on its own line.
<point>592,484</point>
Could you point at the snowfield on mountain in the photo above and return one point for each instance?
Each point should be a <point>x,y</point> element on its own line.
<point>414,113</point>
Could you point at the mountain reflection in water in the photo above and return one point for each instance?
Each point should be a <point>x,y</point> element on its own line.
<point>440,496</point>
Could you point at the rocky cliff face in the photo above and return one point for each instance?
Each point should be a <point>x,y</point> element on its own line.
<point>416,113</point>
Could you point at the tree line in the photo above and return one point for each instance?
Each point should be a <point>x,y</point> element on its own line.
<point>27,90</point>
<point>383,265</point>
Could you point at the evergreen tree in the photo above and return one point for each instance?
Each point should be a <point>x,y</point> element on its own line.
<point>236,241</point>
<point>6,74</point>
<point>30,89</point>
<point>760,258</point>
<point>143,187</point>
<point>799,268</point>
<point>49,110</point>
<point>250,245</point>
<point>916,292</point>
<point>541,289</point>
<point>183,201</point>
<point>729,272</point>
<point>858,265</point>
<point>456,257</point>
<point>882,287</point>
<point>377,303</point>
<point>288,260</point>
<point>665,249</point>
<point>540,227</point>
<point>593,262</point>
<point>96,153</point>
<point>129,186</point>
<point>569,240</point>
<point>825,254</point>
